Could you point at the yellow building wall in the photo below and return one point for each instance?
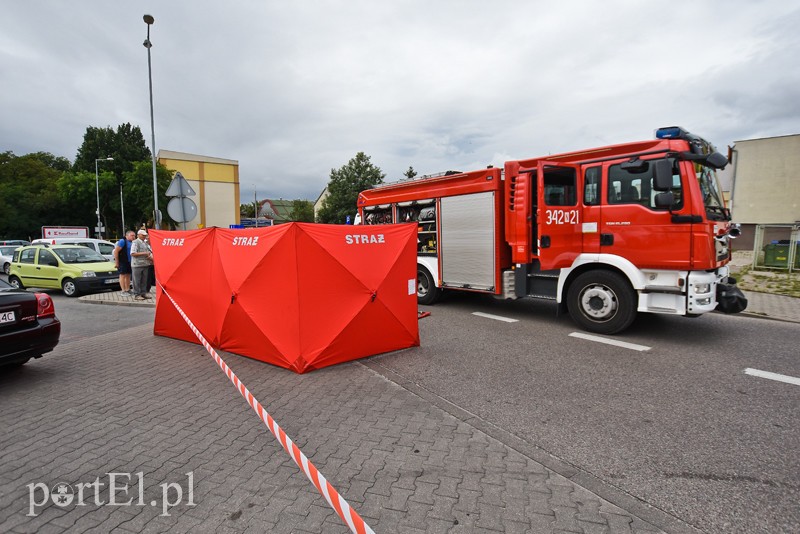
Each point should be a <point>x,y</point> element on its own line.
<point>215,172</point>
<point>189,169</point>
<point>219,197</point>
<point>765,187</point>
<point>216,186</point>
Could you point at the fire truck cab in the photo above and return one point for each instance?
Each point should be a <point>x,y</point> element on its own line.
<point>606,233</point>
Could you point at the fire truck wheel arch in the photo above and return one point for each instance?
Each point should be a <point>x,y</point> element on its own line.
<point>598,261</point>
<point>601,301</point>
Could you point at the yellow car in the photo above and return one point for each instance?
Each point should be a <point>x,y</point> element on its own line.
<point>71,268</point>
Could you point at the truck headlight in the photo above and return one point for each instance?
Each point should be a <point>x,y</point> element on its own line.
<point>702,288</point>
<point>88,274</point>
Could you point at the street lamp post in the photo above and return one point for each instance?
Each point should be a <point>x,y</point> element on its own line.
<point>148,19</point>
<point>122,208</point>
<point>97,189</point>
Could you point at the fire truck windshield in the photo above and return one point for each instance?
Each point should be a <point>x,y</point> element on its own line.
<point>712,196</point>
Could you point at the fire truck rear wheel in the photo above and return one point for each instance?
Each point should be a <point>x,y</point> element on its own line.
<point>427,292</point>
<point>602,302</point>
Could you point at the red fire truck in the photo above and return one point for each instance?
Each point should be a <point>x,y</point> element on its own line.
<point>605,233</point>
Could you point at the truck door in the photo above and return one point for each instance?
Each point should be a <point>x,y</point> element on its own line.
<point>591,208</point>
<point>558,215</point>
<point>635,228</point>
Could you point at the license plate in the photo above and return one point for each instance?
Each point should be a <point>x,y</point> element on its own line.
<point>111,281</point>
<point>7,317</point>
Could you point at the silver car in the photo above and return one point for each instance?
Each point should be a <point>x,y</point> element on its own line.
<point>6,253</point>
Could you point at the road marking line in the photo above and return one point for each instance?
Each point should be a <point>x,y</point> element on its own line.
<point>495,317</point>
<point>772,376</point>
<point>623,344</point>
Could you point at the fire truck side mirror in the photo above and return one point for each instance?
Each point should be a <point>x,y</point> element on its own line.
<point>665,200</point>
<point>716,160</point>
<point>662,175</point>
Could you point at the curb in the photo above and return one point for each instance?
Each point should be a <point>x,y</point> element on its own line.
<point>115,299</point>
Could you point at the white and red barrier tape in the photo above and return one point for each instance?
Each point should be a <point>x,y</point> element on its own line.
<point>348,515</point>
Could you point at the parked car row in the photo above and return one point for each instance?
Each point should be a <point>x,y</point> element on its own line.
<point>101,246</point>
<point>29,327</point>
<point>74,269</point>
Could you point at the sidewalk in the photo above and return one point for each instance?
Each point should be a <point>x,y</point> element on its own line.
<point>777,307</point>
<point>118,298</point>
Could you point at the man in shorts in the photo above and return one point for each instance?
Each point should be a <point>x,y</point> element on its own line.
<point>122,261</point>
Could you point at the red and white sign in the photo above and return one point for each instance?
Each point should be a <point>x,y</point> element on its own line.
<point>52,232</point>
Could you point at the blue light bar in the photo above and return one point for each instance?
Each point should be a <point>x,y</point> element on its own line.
<point>671,132</point>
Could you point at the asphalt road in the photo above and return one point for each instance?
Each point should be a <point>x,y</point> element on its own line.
<point>679,426</point>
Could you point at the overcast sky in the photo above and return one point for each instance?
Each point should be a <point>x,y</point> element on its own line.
<point>294,89</point>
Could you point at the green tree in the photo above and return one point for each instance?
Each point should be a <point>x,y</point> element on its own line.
<point>126,145</point>
<point>344,186</point>
<point>78,191</point>
<point>137,187</point>
<point>248,210</point>
<point>302,211</point>
<point>410,173</point>
<point>28,196</point>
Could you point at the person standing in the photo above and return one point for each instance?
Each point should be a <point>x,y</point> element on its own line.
<point>151,271</point>
<point>141,260</point>
<point>122,261</point>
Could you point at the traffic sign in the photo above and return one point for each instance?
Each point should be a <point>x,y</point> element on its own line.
<point>182,209</point>
<point>179,187</point>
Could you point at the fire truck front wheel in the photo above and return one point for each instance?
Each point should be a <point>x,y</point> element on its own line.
<point>602,302</point>
<point>427,292</point>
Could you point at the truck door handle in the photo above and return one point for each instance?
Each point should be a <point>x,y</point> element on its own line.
<point>544,241</point>
<point>606,239</point>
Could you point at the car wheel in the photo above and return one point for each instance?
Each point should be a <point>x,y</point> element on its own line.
<point>7,268</point>
<point>602,302</point>
<point>69,287</point>
<point>15,282</point>
<point>427,292</point>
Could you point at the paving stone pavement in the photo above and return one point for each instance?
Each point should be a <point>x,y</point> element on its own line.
<point>160,411</point>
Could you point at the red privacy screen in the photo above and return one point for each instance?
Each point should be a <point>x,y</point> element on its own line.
<point>300,295</point>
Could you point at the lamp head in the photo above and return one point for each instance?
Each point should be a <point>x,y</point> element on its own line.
<point>148,19</point>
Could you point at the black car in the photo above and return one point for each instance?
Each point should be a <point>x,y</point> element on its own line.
<point>28,325</point>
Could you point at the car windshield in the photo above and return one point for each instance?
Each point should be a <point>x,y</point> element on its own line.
<point>78,255</point>
<point>712,197</point>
